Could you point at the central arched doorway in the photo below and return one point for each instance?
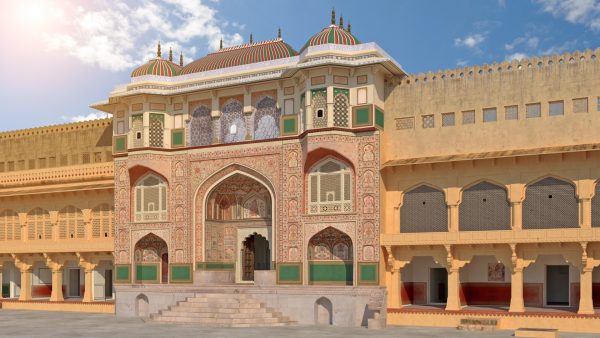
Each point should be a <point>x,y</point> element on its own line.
<point>151,256</point>
<point>237,226</point>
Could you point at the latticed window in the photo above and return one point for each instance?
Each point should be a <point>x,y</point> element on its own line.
<point>102,221</point>
<point>137,128</point>
<point>10,228</point>
<point>549,204</point>
<point>233,123</point>
<point>428,121</point>
<point>511,113</point>
<point>70,223</point>
<point>319,108</point>
<point>484,206</point>
<point>533,110</point>
<point>151,200</point>
<point>489,115</point>
<point>468,117</point>
<point>556,108</point>
<point>596,207</point>
<point>157,123</point>
<point>200,127</point>
<point>340,107</point>
<point>330,188</point>
<point>38,224</point>
<point>448,120</point>
<point>424,210</point>
<point>266,119</point>
<point>580,105</point>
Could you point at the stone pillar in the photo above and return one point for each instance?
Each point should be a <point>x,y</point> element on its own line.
<point>55,226</point>
<point>453,302</point>
<point>25,268</point>
<point>516,290</point>
<point>516,194</point>
<point>395,289</point>
<point>56,266</point>
<point>586,303</point>
<point>308,112</point>
<point>88,265</point>
<point>23,224</point>
<point>453,200</point>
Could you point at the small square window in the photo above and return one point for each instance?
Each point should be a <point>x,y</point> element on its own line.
<point>428,121</point>
<point>511,113</point>
<point>21,165</point>
<point>580,105</point>
<point>85,158</point>
<point>361,96</point>
<point>533,110</point>
<point>489,115</point>
<point>468,117</point>
<point>556,108</point>
<point>31,164</point>
<point>42,163</point>
<point>405,123</point>
<point>138,135</point>
<point>320,113</point>
<point>448,120</point>
<point>11,166</point>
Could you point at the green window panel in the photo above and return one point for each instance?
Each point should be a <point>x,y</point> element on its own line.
<point>5,290</point>
<point>177,138</point>
<point>289,273</point>
<point>181,273</point>
<point>379,117</point>
<point>146,272</point>
<point>363,116</point>
<point>159,117</point>
<point>120,144</point>
<point>368,273</point>
<point>289,126</point>
<point>215,266</point>
<point>341,90</point>
<point>321,91</point>
<point>331,273</point>
<point>123,274</point>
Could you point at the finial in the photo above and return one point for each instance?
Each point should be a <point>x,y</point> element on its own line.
<point>181,59</point>
<point>333,16</point>
<point>221,44</point>
<point>279,33</point>
<point>170,54</point>
<point>341,22</point>
<point>251,40</point>
<point>158,53</point>
<point>349,28</point>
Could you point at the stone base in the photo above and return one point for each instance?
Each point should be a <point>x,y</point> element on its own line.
<point>343,305</point>
<point>265,277</point>
<point>209,277</point>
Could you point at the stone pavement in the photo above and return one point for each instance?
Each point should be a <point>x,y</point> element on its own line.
<point>16,324</point>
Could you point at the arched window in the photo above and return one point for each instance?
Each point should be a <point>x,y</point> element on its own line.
<point>330,188</point>
<point>484,206</point>
<point>424,210</point>
<point>200,127</point>
<point>550,203</point>
<point>266,119</point>
<point>39,225</point>
<point>233,123</point>
<point>70,223</point>
<point>102,221</point>
<point>151,199</point>
<point>10,228</point>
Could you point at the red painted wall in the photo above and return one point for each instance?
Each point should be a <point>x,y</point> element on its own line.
<point>486,293</point>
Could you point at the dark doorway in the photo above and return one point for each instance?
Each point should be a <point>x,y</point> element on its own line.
<point>255,256</point>
<point>438,286</point>
<point>557,285</point>
<point>74,283</point>
<point>108,290</point>
<point>164,268</point>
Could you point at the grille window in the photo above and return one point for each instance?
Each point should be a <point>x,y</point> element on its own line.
<point>489,115</point>
<point>580,105</point>
<point>556,108</point>
<point>70,223</point>
<point>511,113</point>
<point>10,228</point>
<point>330,188</point>
<point>428,121</point>
<point>549,204</point>
<point>151,200</point>
<point>533,110</point>
<point>39,225</point>
<point>424,210</point>
<point>484,206</point>
<point>447,119</point>
<point>468,117</point>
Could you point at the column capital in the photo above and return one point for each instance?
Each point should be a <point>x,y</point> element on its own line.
<point>54,262</point>
<point>22,263</point>
<point>88,262</point>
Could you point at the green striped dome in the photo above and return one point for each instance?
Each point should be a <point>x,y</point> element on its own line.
<point>332,34</point>
<point>158,67</point>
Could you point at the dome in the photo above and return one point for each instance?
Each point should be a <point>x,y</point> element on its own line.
<point>241,55</point>
<point>158,67</point>
<point>332,34</point>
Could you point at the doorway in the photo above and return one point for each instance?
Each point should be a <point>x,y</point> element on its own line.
<point>108,287</point>
<point>438,286</point>
<point>255,256</point>
<point>74,283</point>
<point>164,268</point>
<point>557,285</point>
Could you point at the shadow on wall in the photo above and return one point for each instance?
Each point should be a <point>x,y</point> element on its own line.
<point>142,306</point>
<point>323,312</point>
<point>105,139</point>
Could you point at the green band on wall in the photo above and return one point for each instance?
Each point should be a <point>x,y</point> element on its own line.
<point>289,273</point>
<point>368,273</point>
<point>215,266</point>
<point>123,273</point>
<point>180,273</point>
<point>146,272</point>
<point>330,273</point>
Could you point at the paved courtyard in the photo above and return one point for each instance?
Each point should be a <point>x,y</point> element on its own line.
<point>63,324</point>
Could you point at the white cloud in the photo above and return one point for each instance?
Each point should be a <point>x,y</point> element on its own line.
<point>558,49</point>
<point>530,42</point>
<point>461,63</point>
<point>117,36</point>
<point>469,41</point>
<point>516,56</point>
<point>88,117</point>
<point>586,12</point>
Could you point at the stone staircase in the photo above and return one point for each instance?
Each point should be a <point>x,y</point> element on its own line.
<point>221,310</point>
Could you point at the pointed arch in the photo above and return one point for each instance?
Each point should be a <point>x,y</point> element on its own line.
<point>10,227</point>
<point>150,197</point>
<point>423,209</point>
<point>550,203</point>
<point>200,127</point>
<point>233,122</point>
<point>266,118</point>
<point>39,225</point>
<point>330,257</point>
<point>484,206</point>
<point>330,186</point>
<point>70,223</point>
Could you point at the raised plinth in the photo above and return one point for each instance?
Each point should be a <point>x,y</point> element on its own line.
<point>210,277</point>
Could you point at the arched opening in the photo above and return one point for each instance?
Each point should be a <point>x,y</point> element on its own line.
<point>151,199</point>
<point>102,221</point>
<point>330,258</point>
<point>266,119</point>
<point>238,219</point>
<point>142,306</point>
<point>255,254</point>
<point>550,203</point>
<point>233,123</point>
<point>39,225</point>
<point>151,256</point>
<point>330,187</point>
<point>10,228</point>
<point>424,210</point>
<point>200,128</point>
<point>323,311</point>
<point>484,206</point>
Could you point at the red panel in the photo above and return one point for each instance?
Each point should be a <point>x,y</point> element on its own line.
<point>406,293</point>
<point>461,295</point>
<point>533,294</point>
<point>575,289</point>
<point>41,291</point>
<point>486,293</point>
<point>419,291</point>
<point>596,293</point>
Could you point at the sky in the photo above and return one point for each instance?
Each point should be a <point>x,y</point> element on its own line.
<point>59,56</point>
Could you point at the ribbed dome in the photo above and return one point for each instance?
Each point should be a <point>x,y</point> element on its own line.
<point>332,34</point>
<point>241,55</point>
<point>157,67</point>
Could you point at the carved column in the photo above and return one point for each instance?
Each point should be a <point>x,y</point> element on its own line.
<point>517,303</point>
<point>25,268</point>
<point>330,101</point>
<point>453,266</point>
<point>394,279</point>
<point>56,266</point>
<point>585,192</point>
<point>88,265</point>
<point>588,263</point>
<point>453,200</point>
<point>516,194</point>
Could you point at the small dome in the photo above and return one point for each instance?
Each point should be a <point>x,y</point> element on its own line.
<point>332,34</point>
<point>158,67</point>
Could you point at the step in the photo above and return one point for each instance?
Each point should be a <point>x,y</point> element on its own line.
<point>221,305</point>
<point>186,308</point>
<point>169,313</point>
<point>218,321</point>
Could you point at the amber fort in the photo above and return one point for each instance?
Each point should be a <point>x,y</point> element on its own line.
<point>270,185</point>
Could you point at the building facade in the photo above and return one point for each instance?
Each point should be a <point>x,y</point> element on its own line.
<point>56,218</point>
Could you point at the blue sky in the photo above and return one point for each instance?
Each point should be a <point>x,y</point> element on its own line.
<point>61,55</point>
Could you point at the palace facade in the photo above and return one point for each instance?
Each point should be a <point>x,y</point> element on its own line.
<point>325,183</point>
